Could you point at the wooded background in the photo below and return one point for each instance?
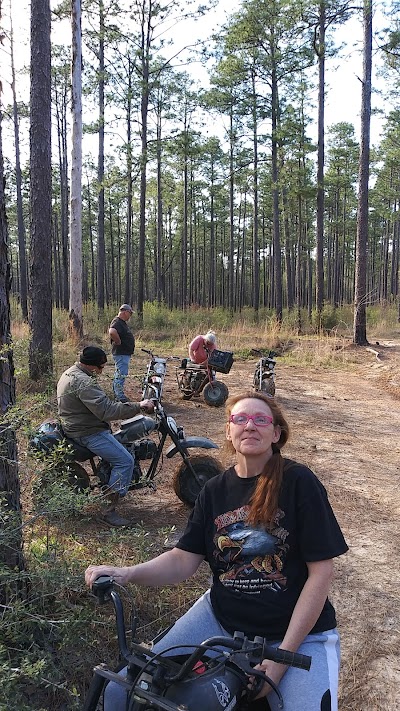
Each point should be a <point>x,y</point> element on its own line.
<point>259,214</point>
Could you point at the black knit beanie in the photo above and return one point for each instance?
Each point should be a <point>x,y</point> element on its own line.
<point>91,355</point>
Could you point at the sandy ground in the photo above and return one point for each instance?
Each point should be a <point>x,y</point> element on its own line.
<point>345,426</point>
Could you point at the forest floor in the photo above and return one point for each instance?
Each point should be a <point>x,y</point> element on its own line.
<point>345,425</point>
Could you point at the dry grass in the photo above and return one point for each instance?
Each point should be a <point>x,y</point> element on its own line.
<point>368,614</point>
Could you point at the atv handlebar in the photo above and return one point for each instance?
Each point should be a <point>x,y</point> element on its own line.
<point>257,649</point>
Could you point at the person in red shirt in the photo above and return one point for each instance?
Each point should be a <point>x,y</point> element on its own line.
<point>201,347</point>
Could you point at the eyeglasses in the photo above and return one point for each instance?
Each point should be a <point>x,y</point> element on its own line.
<point>242,418</point>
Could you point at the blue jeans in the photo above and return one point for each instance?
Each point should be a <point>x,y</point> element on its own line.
<point>104,445</point>
<point>121,372</point>
<point>300,689</point>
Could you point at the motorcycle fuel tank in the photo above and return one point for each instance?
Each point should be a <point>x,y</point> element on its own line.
<point>135,428</point>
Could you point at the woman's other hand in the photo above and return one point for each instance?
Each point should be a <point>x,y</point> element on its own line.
<point>120,575</point>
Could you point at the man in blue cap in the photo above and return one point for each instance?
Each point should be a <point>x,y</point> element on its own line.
<point>122,348</point>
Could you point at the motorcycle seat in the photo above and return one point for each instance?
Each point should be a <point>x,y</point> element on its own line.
<point>195,366</point>
<point>80,453</point>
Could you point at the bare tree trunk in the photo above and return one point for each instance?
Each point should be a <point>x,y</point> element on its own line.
<point>75,298</point>
<point>23,280</point>
<point>128,290</point>
<point>184,295</point>
<point>256,250</point>
<point>10,508</point>
<point>231,290</point>
<point>159,290</point>
<point>100,171</point>
<point>275,201</point>
<point>40,349</point>
<point>61,114</point>
<point>360,295</point>
<point>319,286</point>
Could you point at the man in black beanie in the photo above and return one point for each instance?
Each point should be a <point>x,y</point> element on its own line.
<point>85,411</point>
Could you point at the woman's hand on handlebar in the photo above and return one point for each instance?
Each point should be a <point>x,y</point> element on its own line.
<point>274,671</point>
<point>120,575</point>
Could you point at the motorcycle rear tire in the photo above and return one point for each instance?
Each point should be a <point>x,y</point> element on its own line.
<point>185,485</point>
<point>256,380</point>
<point>215,393</point>
<point>268,386</point>
<point>78,477</point>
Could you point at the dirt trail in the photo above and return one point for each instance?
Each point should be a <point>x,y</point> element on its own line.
<point>345,426</point>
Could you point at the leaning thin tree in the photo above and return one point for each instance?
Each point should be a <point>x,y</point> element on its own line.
<point>360,293</point>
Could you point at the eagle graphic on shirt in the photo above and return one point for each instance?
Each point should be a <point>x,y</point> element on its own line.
<point>249,558</point>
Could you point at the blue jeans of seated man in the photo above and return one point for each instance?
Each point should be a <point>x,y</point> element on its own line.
<point>121,372</point>
<point>104,445</point>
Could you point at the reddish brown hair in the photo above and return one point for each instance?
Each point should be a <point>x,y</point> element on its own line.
<point>264,502</point>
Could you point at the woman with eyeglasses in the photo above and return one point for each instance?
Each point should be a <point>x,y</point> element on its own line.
<point>268,533</point>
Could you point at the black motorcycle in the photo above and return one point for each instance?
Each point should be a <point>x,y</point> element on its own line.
<point>195,379</point>
<point>264,374</point>
<point>189,478</point>
<point>196,681</point>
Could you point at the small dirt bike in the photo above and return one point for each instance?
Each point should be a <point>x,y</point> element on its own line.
<point>189,478</point>
<point>264,374</point>
<point>155,375</point>
<point>196,681</point>
<point>195,379</point>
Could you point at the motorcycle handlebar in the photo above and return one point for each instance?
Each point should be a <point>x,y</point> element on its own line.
<point>263,353</point>
<point>150,353</point>
<point>102,587</point>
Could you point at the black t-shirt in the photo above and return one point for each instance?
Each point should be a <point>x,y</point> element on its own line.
<point>258,574</point>
<point>127,345</point>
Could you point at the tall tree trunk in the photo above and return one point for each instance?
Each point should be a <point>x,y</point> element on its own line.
<point>101,250</point>
<point>360,295</point>
<point>40,349</point>
<point>159,242</point>
<point>184,251</point>
<point>319,276</point>
<point>61,116</point>
<point>256,250</point>
<point>128,290</point>
<point>145,60</point>
<point>23,274</point>
<point>10,508</point>
<point>75,298</point>
<point>275,199</point>
<point>231,257</point>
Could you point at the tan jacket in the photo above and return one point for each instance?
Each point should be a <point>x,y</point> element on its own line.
<point>83,406</point>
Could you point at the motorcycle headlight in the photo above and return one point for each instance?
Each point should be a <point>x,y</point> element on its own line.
<point>172,424</point>
<point>159,368</point>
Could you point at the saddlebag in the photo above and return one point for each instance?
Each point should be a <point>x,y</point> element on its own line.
<point>50,434</point>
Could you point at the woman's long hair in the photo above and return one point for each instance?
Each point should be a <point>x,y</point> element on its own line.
<point>264,502</point>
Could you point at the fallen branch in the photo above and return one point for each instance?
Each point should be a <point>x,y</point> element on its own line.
<point>376,353</point>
